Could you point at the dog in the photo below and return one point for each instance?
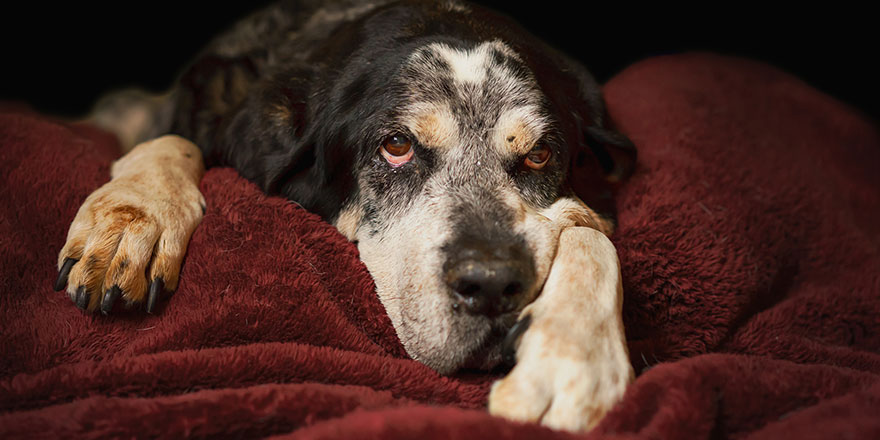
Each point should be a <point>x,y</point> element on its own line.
<point>442,138</point>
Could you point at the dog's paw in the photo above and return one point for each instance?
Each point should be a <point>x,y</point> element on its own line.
<point>560,383</point>
<point>129,237</point>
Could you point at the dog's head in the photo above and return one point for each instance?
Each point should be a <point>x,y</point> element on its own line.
<point>441,139</point>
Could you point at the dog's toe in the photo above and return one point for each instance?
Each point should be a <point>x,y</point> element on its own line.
<point>127,270</point>
<point>109,298</point>
<point>82,297</point>
<point>86,277</point>
<point>519,399</point>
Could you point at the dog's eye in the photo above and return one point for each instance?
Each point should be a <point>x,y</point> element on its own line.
<point>397,149</point>
<point>538,157</point>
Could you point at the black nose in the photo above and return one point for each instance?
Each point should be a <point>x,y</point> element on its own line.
<point>488,281</point>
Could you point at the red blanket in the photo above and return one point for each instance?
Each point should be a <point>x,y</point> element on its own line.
<point>749,240</point>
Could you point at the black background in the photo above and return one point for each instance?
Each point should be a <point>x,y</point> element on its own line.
<point>60,58</point>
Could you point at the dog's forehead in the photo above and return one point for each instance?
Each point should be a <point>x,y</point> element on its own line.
<point>472,65</point>
<point>456,95</point>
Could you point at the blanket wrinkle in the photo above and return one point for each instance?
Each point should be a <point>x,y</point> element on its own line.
<point>749,242</point>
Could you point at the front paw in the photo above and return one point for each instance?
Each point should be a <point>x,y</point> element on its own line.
<point>129,237</point>
<point>561,383</point>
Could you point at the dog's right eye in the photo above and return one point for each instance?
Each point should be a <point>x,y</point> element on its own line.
<point>397,149</point>
<point>537,158</point>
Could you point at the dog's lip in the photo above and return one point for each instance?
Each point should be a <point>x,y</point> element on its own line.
<point>486,355</point>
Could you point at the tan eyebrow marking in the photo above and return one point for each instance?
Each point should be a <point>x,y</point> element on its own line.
<point>517,130</point>
<point>433,124</point>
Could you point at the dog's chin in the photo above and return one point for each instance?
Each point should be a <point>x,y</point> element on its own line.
<point>473,342</point>
<point>488,355</point>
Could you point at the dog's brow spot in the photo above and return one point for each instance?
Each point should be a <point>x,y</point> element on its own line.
<point>519,129</point>
<point>433,124</point>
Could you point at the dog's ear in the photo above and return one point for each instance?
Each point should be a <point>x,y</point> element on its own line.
<point>311,167</point>
<point>271,141</point>
<point>604,156</point>
<point>314,173</point>
<point>613,151</point>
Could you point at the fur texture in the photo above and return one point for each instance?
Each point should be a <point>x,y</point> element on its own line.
<point>748,248</point>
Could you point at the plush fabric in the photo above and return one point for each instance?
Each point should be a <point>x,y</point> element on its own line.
<point>749,240</point>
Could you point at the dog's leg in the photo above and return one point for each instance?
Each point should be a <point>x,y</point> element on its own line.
<point>133,116</point>
<point>572,361</point>
<point>133,231</point>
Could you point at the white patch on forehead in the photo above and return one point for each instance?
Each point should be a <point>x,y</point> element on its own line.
<point>471,66</point>
<point>467,67</point>
<point>519,129</point>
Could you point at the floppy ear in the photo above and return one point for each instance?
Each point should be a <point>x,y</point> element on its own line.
<point>306,163</point>
<point>599,156</point>
<point>265,134</point>
<point>576,93</point>
<point>613,151</point>
<point>313,172</point>
<point>604,156</point>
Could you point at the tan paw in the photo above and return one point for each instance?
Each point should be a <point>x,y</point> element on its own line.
<point>561,384</point>
<point>129,237</point>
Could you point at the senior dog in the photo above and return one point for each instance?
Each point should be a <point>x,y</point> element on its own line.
<point>442,138</point>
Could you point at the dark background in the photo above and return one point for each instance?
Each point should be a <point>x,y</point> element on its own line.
<point>60,58</point>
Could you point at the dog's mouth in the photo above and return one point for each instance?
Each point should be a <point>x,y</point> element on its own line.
<point>470,342</point>
<point>490,347</point>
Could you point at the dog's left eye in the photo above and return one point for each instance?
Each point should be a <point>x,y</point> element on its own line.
<point>538,157</point>
<point>397,149</point>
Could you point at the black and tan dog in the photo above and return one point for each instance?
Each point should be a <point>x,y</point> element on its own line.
<point>442,138</point>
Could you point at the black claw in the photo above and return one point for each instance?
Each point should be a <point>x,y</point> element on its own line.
<point>110,297</point>
<point>511,341</point>
<point>82,297</point>
<point>61,282</point>
<point>156,287</point>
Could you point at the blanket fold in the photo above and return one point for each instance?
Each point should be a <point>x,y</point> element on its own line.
<point>749,242</point>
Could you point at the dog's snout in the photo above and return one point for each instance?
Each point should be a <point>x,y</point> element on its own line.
<point>488,282</point>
